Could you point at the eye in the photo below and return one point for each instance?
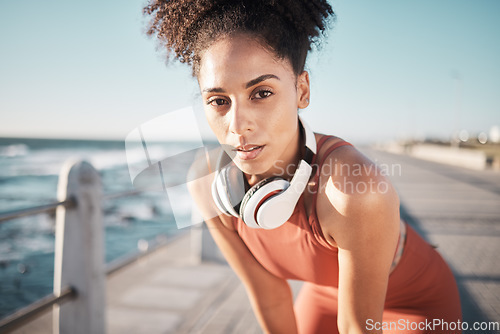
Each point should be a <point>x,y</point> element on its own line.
<point>262,94</point>
<point>217,102</point>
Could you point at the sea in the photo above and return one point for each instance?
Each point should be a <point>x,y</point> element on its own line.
<point>29,170</point>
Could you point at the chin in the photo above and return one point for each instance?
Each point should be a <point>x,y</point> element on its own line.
<point>252,167</point>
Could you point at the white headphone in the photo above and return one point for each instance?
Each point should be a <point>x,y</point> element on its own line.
<point>270,202</point>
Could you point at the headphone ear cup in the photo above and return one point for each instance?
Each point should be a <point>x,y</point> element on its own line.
<point>235,187</point>
<point>228,189</point>
<point>278,209</point>
<point>216,194</point>
<point>257,195</point>
<point>228,186</point>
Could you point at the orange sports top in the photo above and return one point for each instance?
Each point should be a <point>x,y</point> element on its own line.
<point>420,284</point>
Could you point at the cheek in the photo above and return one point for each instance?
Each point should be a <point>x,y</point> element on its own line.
<point>217,124</point>
<point>286,126</point>
<point>288,113</point>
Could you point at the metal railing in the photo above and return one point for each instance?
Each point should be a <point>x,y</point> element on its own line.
<point>9,215</point>
<point>35,309</point>
<point>79,269</point>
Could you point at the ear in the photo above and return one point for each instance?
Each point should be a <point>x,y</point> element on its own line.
<point>303,90</point>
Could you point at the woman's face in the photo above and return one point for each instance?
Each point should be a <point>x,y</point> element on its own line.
<point>250,100</point>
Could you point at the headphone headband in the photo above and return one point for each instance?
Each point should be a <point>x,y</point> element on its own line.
<point>310,140</point>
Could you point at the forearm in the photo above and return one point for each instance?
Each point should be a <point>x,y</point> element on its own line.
<point>273,307</point>
<point>355,328</point>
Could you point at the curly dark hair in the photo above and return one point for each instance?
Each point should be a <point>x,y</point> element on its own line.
<point>287,27</point>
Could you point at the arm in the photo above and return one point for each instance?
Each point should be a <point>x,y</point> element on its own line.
<point>270,296</point>
<point>359,213</point>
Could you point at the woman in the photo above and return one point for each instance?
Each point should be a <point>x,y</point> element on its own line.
<point>364,270</point>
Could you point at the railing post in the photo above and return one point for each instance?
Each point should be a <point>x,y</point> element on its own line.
<point>79,251</point>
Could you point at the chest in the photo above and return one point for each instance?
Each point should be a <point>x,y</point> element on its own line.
<point>293,251</point>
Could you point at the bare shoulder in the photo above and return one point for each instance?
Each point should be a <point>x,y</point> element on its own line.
<point>355,198</point>
<point>200,177</point>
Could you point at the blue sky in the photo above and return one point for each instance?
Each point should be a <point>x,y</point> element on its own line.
<point>389,69</point>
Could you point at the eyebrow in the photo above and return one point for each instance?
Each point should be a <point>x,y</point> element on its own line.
<point>249,84</point>
<point>260,79</point>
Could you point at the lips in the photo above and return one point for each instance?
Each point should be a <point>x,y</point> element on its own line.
<point>248,148</point>
<point>249,151</point>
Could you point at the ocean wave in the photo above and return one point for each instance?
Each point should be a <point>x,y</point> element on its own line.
<point>14,150</point>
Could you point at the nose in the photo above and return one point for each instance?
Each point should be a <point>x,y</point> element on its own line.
<point>240,121</point>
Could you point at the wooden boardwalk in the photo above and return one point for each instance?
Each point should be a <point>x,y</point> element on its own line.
<point>170,292</point>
